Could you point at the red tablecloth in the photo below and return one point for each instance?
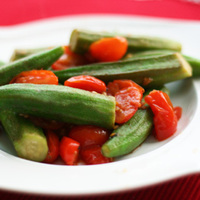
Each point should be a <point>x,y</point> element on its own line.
<point>19,11</point>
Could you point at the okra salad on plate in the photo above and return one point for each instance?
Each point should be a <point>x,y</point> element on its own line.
<point>93,100</point>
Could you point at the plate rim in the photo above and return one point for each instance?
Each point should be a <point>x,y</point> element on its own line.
<point>5,156</point>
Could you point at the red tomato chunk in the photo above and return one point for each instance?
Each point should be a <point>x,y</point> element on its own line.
<point>89,135</point>
<point>69,150</point>
<point>128,96</point>
<point>53,146</point>
<point>69,59</point>
<point>178,112</point>
<point>109,49</point>
<point>165,119</point>
<point>36,77</point>
<point>92,155</point>
<point>86,82</point>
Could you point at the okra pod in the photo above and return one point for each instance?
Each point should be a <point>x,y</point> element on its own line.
<point>129,135</point>
<point>28,140</point>
<point>80,41</point>
<point>21,53</point>
<point>147,72</point>
<point>41,60</point>
<point>59,103</point>
<point>194,62</point>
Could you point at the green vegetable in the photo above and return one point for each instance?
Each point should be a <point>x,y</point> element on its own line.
<point>80,41</point>
<point>130,135</point>
<point>28,140</point>
<point>59,103</point>
<point>21,53</point>
<point>40,60</point>
<point>158,70</point>
<point>194,62</point>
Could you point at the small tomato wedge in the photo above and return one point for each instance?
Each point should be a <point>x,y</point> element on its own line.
<point>109,49</point>
<point>53,146</point>
<point>117,85</point>
<point>165,119</point>
<point>89,135</point>
<point>69,59</point>
<point>178,112</point>
<point>86,82</point>
<point>128,96</point>
<point>36,77</point>
<point>69,150</point>
<point>92,155</point>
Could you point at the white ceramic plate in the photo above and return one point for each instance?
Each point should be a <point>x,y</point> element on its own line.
<point>153,162</point>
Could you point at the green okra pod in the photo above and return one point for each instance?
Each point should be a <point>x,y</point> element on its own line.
<point>41,60</point>
<point>148,72</point>
<point>59,103</point>
<point>21,53</point>
<point>129,135</point>
<point>80,41</point>
<point>28,140</point>
<point>194,62</point>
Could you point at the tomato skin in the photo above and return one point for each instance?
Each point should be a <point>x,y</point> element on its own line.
<point>53,145</point>
<point>109,49</point>
<point>165,120</point>
<point>117,85</point>
<point>69,59</point>
<point>86,82</point>
<point>92,155</point>
<point>69,150</point>
<point>89,135</point>
<point>36,77</point>
<point>128,96</point>
<point>178,112</point>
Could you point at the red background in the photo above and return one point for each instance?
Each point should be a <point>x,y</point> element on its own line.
<point>14,12</point>
<point>18,11</point>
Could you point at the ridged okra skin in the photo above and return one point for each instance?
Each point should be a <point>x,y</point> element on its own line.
<point>59,103</point>
<point>159,69</point>
<point>194,62</point>
<point>41,60</point>
<point>80,41</point>
<point>129,135</point>
<point>28,140</point>
<point>21,53</point>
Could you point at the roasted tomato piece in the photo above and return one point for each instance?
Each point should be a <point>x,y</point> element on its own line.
<point>53,145</point>
<point>89,135</point>
<point>178,112</point>
<point>69,59</point>
<point>165,119</point>
<point>86,82</point>
<point>36,77</point>
<point>109,49</point>
<point>92,155</point>
<point>128,96</point>
<point>69,150</point>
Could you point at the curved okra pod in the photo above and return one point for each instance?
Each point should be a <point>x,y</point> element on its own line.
<point>130,135</point>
